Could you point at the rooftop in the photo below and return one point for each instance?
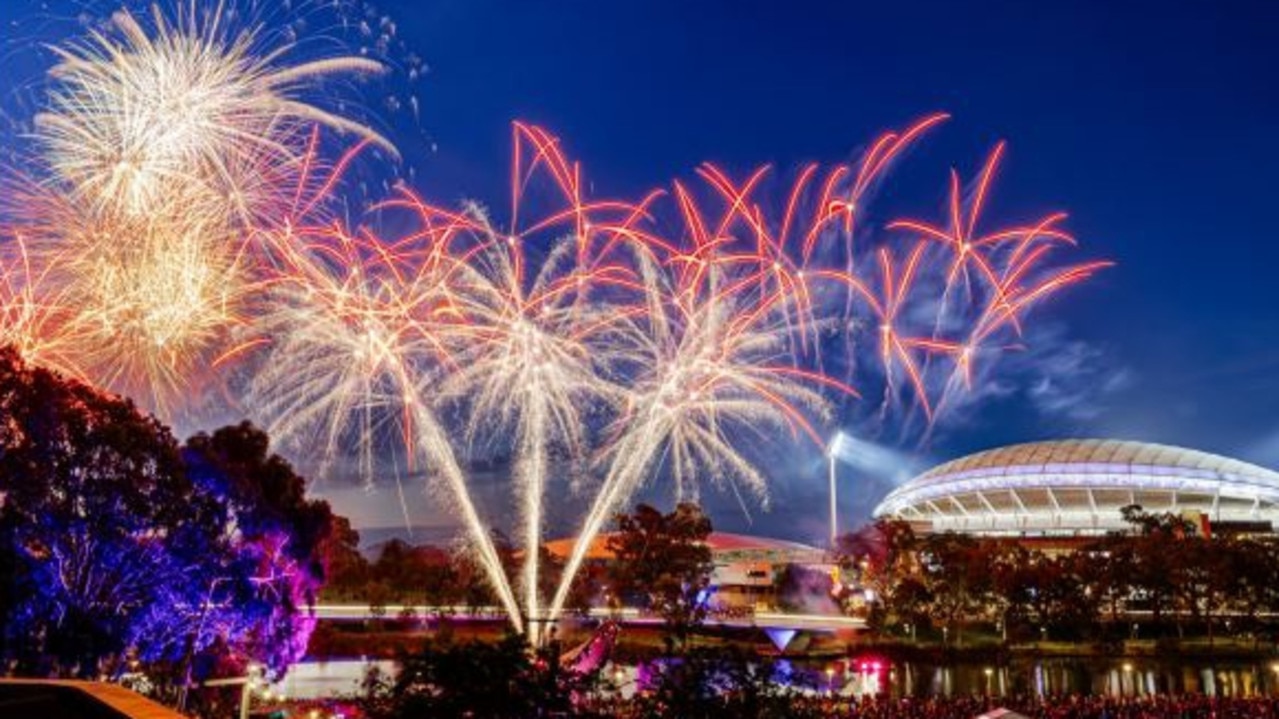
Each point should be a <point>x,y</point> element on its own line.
<point>722,544</point>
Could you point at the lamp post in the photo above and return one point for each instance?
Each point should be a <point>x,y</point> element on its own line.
<point>832,455</point>
<point>247,684</point>
<point>246,692</point>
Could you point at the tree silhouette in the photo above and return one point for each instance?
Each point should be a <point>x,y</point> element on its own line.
<point>663,560</point>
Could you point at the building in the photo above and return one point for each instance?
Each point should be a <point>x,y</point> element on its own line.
<point>1077,487</point>
<point>746,567</point>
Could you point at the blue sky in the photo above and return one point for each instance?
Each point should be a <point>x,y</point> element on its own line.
<point>1152,123</point>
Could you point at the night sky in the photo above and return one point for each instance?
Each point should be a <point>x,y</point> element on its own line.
<point>1152,124</point>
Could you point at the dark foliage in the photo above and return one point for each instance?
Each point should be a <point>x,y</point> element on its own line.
<point>474,679</point>
<point>662,563</point>
<point>1163,566</point>
<point>714,683</point>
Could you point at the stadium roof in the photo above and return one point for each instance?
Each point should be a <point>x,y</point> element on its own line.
<point>1074,486</point>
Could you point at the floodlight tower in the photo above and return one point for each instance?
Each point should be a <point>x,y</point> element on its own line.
<point>832,456</point>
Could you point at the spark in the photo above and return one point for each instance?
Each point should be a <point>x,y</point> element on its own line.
<point>714,362</point>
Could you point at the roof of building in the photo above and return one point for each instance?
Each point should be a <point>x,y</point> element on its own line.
<point>1077,484</point>
<point>722,544</point>
<point>1112,453</point>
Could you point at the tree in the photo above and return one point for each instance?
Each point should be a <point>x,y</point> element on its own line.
<point>799,588</point>
<point>105,537</point>
<point>346,570</point>
<point>663,560</point>
<point>1043,592</point>
<point>712,682</point>
<point>882,557</point>
<point>475,679</point>
<point>956,575</point>
<point>1158,566</point>
<point>1107,571</point>
<point>283,538</point>
<point>1258,593</point>
<point>113,545</point>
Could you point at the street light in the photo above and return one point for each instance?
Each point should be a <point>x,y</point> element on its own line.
<point>247,684</point>
<point>254,675</point>
<point>832,454</point>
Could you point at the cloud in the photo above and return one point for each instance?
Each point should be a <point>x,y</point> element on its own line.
<point>1074,380</point>
<point>1058,378</point>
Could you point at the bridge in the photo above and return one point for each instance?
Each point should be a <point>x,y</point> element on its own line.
<point>821,623</point>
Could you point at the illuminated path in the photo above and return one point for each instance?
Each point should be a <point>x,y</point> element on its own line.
<point>630,617</point>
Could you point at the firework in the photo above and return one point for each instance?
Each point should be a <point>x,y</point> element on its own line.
<point>136,304</point>
<point>348,330</point>
<point>167,150</point>
<point>35,317</point>
<point>525,366</point>
<point>1009,266</point>
<point>530,349</point>
<point>133,113</point>
<point>715,360</point>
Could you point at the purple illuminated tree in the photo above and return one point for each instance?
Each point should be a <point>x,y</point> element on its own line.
<point>281,537</point>
<point>116,543</point>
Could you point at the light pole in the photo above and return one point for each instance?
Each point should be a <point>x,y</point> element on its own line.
<point>247,684</point>
<point>832,455</point>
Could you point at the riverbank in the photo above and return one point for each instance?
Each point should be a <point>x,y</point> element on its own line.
<point>390,638</point>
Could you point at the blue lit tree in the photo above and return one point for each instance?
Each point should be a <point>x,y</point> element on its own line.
<point>116,543</point>
<point>282,538</point>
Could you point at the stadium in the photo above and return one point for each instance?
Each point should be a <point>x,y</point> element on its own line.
<point>1077,488</point>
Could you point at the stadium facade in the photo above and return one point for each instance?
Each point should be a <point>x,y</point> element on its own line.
<point>1077,488</point>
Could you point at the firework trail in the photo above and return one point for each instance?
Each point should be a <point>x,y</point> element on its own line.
<point>733,309</point>
<point>35,318</point>
<point>988,282</point>
<point>530,353</point>
<point>349,325</point>
<point>715,359</point>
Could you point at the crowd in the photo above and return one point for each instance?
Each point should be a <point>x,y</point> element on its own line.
<point>1166,706</point>
<point>1181,706</point>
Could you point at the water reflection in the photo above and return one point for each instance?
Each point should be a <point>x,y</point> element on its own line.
<point>1055,677</point>
<point>872,675</point>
